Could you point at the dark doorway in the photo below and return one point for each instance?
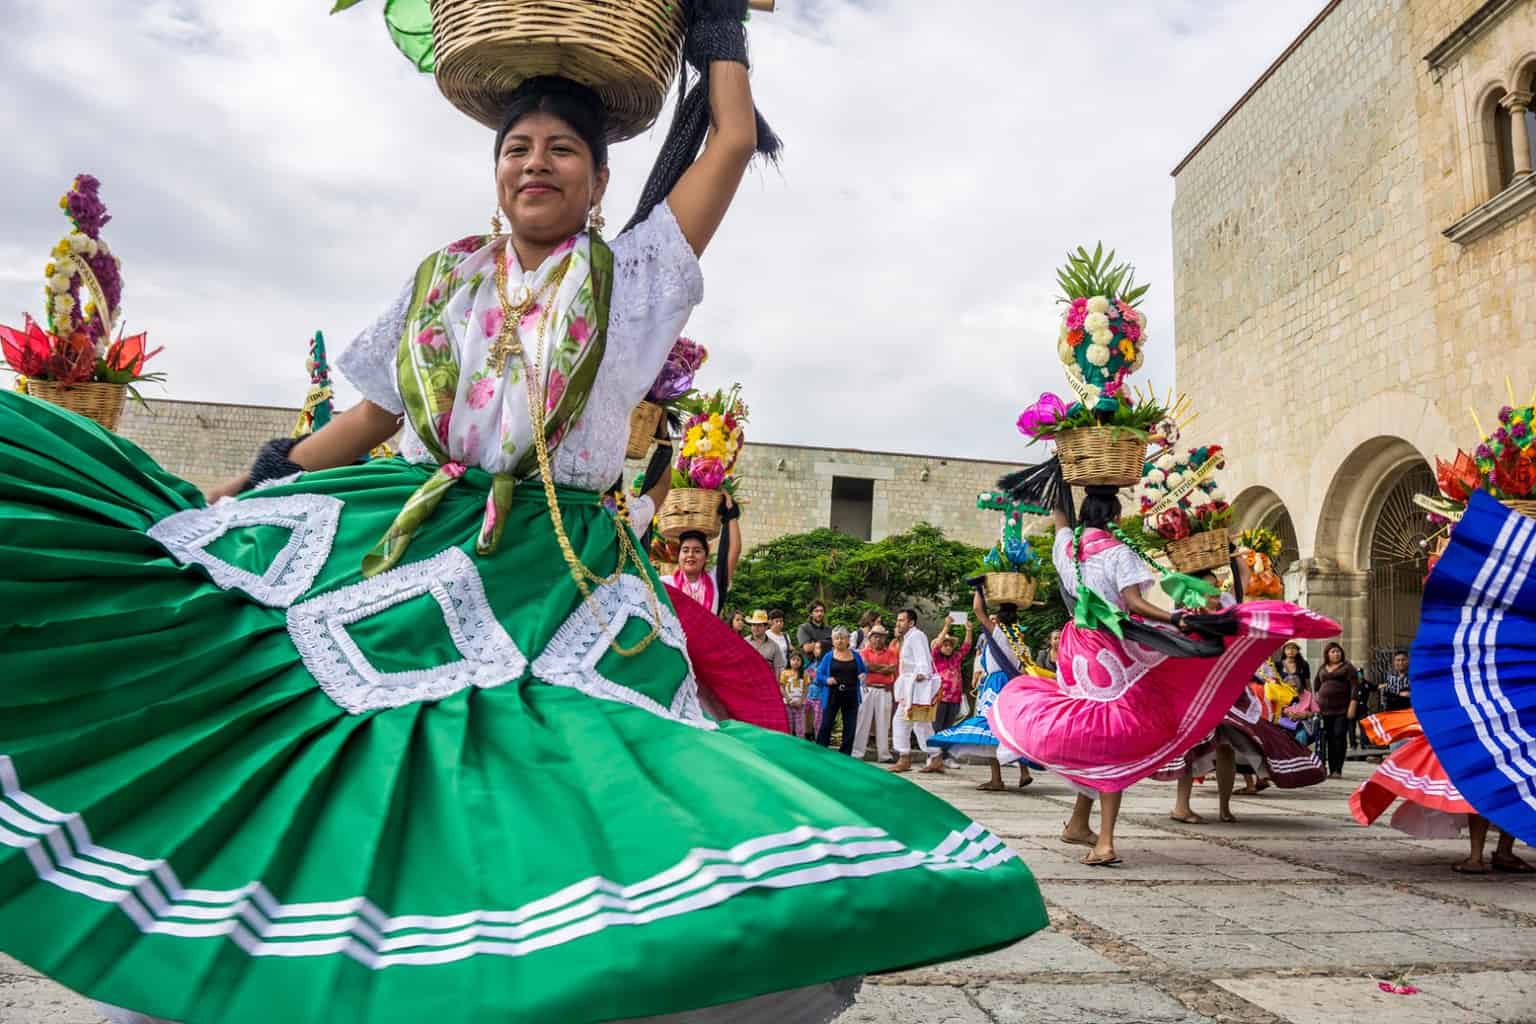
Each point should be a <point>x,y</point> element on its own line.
<point>853,506</point>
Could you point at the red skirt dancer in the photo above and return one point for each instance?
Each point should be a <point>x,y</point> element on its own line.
<point>1118,712</point>
<point>1431,807</point>
<point>1258,743</point>
<point>734,680</point>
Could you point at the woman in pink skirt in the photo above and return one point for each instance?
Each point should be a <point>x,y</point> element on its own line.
<point>1130,696</point>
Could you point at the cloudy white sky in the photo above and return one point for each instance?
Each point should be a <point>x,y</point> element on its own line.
<point>273,170</point>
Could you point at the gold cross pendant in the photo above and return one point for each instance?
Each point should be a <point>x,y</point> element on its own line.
<point>504,347</point>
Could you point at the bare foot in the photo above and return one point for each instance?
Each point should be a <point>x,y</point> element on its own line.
<point>1227,818</point>
<point>1187,818</point>
<point>1088,838</point>
<point>933,768</point>
<point>992,787</point>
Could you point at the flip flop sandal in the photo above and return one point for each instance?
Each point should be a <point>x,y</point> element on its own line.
<point>1462,869</point>
<point>1227,819</point>
<point>1072,841</point>
<point>1193,819</point>
<point>1517,867</point>
<point>1107,862</point>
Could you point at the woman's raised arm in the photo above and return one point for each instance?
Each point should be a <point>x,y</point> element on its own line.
<point>706,189</point>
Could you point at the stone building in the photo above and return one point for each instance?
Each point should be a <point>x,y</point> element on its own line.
<point>785,488</point>
<point>1355,267</point>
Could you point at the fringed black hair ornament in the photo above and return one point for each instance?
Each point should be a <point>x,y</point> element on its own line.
<point>1038,487</point>
<point>716,31</point>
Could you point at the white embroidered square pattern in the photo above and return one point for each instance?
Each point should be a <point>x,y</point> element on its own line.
<point>318,628</point>
<point>573,654</point>
<point>310,518</point>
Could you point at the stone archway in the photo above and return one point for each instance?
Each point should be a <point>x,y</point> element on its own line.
<point>1261,507</point>
<point>1368,567</point>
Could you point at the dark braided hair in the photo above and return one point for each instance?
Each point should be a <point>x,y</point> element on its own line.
<point>715,33</point>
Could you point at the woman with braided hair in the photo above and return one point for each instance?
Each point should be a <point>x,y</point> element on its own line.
<point>417,740</point>
<point>1136,685</point>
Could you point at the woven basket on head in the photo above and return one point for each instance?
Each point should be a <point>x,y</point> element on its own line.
<point>690,509</point>
<point>627,50</point>
<point>643,421</point>
<point>1009,588</point>
<point>1200,552</point>
<point>1524,506</point>
<point>95,400</point>
<point>1101,456</point>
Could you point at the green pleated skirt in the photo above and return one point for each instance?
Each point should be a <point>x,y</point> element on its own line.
<point>241,784</point>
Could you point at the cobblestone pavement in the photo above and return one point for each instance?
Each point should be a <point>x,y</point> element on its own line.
<point>1287,916</point>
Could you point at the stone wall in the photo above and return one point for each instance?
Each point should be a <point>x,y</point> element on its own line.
<point>786,488</point>
<point>1328,331</point>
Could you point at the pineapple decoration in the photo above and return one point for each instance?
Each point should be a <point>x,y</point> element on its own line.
<point>1102,331</point>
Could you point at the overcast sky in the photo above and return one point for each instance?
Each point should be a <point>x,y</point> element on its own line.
<point>272,170</point>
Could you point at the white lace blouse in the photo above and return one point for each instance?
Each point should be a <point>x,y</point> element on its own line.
<point>1106,573</point>
<point>656,285</point>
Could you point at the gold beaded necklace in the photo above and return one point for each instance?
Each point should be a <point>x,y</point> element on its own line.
<point>580,574</point>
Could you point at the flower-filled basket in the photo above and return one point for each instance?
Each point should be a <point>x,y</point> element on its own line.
<point>1010,570</point>
<point>712,440</point>
<point>1182,503</point>
<point>1101,439</point>
<point>673,386</point>
<point>74,363</point>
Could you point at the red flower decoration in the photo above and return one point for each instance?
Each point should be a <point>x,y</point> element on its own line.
<point>1172,524</point>
<point>1457,479</point>
<point>27,351</point>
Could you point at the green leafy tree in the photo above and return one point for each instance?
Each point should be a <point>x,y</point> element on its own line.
<point>918,567</point>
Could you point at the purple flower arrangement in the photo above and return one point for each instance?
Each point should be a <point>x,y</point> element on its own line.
<point>676,377</point>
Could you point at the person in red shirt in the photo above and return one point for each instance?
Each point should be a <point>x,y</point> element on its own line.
<point>949,660</point>
<point>881,663</point>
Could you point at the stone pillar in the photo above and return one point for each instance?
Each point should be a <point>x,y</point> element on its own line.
<point>1517,103</point>
<point>1340,594</point>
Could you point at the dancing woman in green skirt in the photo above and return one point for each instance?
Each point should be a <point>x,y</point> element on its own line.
<point>418,739</point>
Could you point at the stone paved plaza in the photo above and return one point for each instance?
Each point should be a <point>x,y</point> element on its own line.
<point>1286,916</point>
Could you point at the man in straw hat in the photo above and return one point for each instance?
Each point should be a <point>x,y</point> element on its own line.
<point>763,644</point>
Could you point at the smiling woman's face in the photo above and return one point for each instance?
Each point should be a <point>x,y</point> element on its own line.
<point>545,179</point>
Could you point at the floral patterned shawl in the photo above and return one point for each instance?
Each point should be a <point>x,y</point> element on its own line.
<point>466,410</point>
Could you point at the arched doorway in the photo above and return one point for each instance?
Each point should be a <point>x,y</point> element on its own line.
<point>1397,562</point>
<point>1369,565</point>
<point>1260,506</point>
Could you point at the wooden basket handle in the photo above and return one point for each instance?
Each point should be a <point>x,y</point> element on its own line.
<point>766,6</point>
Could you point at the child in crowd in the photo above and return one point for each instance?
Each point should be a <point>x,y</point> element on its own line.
<point>792,684</point>
<point>815,692</point>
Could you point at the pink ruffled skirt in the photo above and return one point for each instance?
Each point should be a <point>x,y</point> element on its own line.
<point>1117,712</point>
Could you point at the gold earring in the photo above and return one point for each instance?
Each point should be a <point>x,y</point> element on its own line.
<point>595,220</point>
<point>496,222</point>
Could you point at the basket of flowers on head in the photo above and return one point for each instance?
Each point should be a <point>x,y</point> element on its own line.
<point>1101,439</point>
<point>75,363</point>
<point>672,388</point>
<point>1010,571</point>
<point>1182,503</point>
<point>712,440</point>
<point>1259,548</point>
